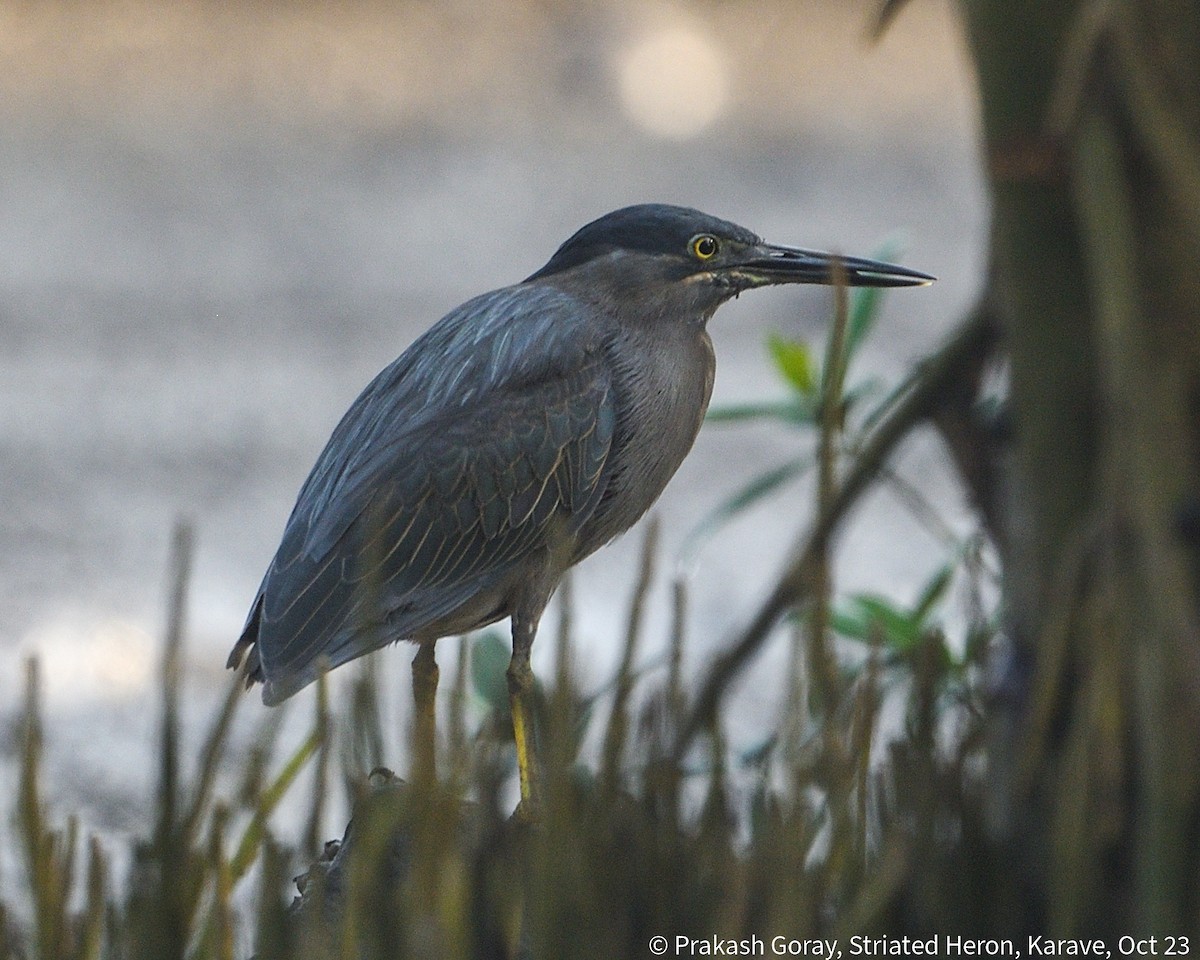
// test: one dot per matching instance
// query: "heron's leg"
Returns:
(424, 684)
(520, 692)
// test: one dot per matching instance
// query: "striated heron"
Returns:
(526, 429)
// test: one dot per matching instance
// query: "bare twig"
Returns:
(883, 18)
(614, 738)
(180, 572)
(918, 399)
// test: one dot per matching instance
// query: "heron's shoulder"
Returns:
(531, 309)
(506, 337)
(524, 345)
(518, 339)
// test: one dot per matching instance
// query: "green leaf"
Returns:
(789, 411)
(865, 301)
(794, 361)
(934, 590)
(489, 665)
(761, 486)
(864, 310)
(898, 629)
(850, 623)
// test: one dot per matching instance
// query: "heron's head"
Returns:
(679, 258)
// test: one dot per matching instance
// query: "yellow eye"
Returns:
(704, 247)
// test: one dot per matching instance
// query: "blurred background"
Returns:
(219, 221)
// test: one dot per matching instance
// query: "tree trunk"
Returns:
(1091, 113)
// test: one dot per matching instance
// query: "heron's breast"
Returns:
(663, 389)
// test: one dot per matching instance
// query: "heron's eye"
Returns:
(704, 247)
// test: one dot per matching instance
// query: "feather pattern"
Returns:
(438, 482)
(524, 430)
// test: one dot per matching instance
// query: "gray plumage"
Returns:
(523, 431)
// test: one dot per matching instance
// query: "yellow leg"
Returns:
(424, 684)
(520, 692)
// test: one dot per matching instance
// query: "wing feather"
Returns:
(434, 487)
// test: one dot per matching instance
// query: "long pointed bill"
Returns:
(768, 264)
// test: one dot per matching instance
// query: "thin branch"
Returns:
(922, 394)
(614, 739)
(883, 18)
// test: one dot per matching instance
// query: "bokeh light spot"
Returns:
(674, 82)
(113, 660)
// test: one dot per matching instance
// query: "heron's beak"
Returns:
(767, 263)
